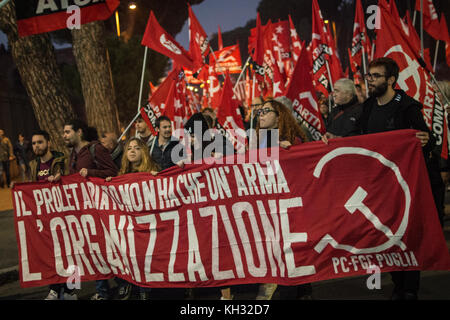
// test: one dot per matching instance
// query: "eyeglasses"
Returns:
(373, 76)
(266, 111)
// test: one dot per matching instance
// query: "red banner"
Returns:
(35, 17)
(315, 212)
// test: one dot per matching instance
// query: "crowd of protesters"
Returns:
(351, 112)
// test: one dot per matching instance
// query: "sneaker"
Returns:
(266, 291)
(52, 295)
(70, 296)
(97, 296)
(124, 292)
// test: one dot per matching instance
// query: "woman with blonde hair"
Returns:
(136, 158)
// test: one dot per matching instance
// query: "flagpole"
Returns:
(365, 70)
(142, 77)
(435, 55)
(421, 29)
(242, 72)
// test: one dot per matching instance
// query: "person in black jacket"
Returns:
(345, 114)
(389, 109)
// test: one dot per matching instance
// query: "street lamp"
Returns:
(132, 6)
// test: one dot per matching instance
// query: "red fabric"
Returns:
(303, 96)
(357, 202)
(319, 51)
(360, 40)
(198, 43)
(156, 38)
(219, 38)
(228, 59)
(58, 20)
(296, 46)
(176, 107)
(229, 117)
(430, 19)
(413, 78)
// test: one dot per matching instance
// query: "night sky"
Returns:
(228, 14)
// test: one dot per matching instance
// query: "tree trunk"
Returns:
(91, 55)
(35, 59)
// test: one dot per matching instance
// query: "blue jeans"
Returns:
(102, 288)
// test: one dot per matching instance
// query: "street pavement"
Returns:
(435, 285)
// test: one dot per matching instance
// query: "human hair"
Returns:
(347, 85)
(390, 67)
(445, 87)
(288, 127)
(208, 109)
(147, 163)
(88, 133)
(41, 133)
(161, 119)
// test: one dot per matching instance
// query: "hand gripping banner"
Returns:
(315, 212)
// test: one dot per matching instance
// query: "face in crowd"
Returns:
(109, 140)
(134, 153)
(268, 116)
(141, 126)
(378, 82)
(165, 129)
(340, 95)
(71, 137)
(40, 145)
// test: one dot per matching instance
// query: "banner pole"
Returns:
(435, 55)
(142, 77)
(242, 72)
(365, 71)
(421, 29)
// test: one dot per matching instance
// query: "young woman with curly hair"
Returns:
(275, 115)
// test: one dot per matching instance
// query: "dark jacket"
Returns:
(100, 164)
(163, 157)
(343, 118)
(58, 165)
(406, 115)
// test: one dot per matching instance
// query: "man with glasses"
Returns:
(392, 109)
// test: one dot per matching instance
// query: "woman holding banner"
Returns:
(277, 126)
(136, 158)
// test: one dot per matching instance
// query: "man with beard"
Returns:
(49, 166)
(161, 152)
(392, 109)
(89, 158)
(143, 131)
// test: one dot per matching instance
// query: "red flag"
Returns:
(156, 38)
(198, 41)
(430, 19)
(175, 105)
(296, 46)
(256, 48)
(413, 78)
(35, 17)
(335, 62)
(158, 99)
(360, 40)
(320, 50)
(229, 58)
(214, 89)
(219, 38)
(303, 95)
(229, 117)
(274, 78)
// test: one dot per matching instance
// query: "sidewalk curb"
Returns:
(9, 275)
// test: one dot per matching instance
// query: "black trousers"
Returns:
(5, 165)
(406, 281)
